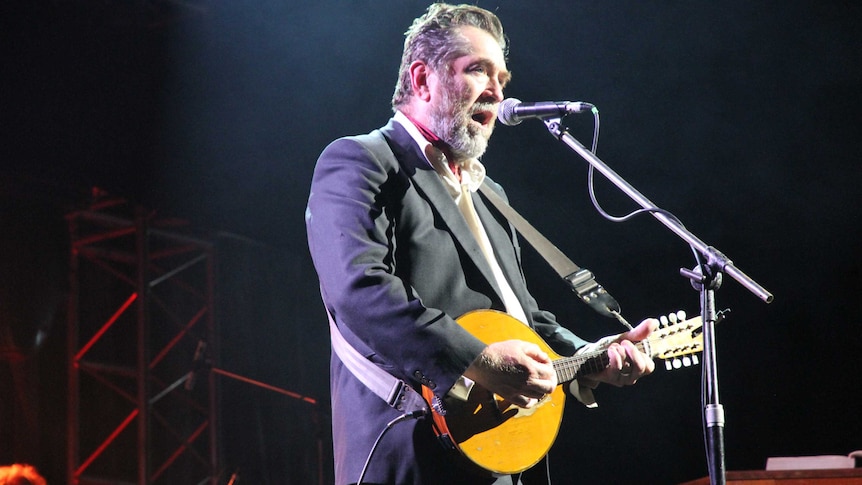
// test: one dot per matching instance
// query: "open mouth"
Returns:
(483, 117)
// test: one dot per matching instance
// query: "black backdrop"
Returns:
(739, 117)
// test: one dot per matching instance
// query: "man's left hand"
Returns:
(626, 364)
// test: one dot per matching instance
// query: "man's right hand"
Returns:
(517, 371)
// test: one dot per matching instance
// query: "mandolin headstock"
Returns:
(677, 340)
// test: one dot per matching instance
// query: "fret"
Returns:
(570, 368)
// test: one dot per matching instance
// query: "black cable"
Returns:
(404, 417)
(591, 186)
(605, 214)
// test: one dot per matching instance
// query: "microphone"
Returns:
(512, 111)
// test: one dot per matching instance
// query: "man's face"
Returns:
(464, 105)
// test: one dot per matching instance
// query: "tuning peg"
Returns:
(663, 321)
(694, 359)
(672, 318)
(668, 365)
(680, 315)
(677, 363)
(686, 361)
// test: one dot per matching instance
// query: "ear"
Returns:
(419, 73)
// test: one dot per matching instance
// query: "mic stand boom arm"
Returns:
(706, 280)
(714, 257)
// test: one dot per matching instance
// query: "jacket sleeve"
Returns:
(351, 223)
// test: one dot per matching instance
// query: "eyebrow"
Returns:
(504, 74)
(506, 77)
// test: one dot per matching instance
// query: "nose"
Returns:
(495, 89)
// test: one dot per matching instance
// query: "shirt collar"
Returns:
(472, 170)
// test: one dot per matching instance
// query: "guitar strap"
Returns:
(394, 391)
(582, 280)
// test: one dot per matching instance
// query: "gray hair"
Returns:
(434, 39)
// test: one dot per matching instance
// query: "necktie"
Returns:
(465, 204)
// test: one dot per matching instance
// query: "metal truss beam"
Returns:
(140, 311)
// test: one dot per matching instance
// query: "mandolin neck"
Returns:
(570, 368)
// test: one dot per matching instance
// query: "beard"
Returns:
(451, 120)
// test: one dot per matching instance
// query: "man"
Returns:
(403, 245)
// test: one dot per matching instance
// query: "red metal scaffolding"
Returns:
(141, 336)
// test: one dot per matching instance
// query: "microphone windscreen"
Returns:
(506, 112)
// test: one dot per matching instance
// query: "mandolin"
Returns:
(501, 438)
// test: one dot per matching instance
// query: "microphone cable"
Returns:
(591, 186)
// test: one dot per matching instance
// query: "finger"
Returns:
(628, 368)
(649, 368)
(650, 325)
(536, 353)
(522, 401)
(537, 387)
(640, 361)
(535, 393)
(634, 361)
(624, 378)
(616, 356)
(547, 374)
(642, 331)
(511, 397)
(643, 362)
(640, 364)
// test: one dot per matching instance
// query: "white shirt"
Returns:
(472, 176)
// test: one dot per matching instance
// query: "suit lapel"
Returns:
(431, 188)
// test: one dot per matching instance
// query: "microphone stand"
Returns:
(706, 278)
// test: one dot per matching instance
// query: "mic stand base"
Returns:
(715, 453)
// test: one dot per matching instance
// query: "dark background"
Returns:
(742, 118)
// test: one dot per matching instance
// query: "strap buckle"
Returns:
(584, 283)
(405, 399)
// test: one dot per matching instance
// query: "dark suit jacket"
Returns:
(397, 263)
